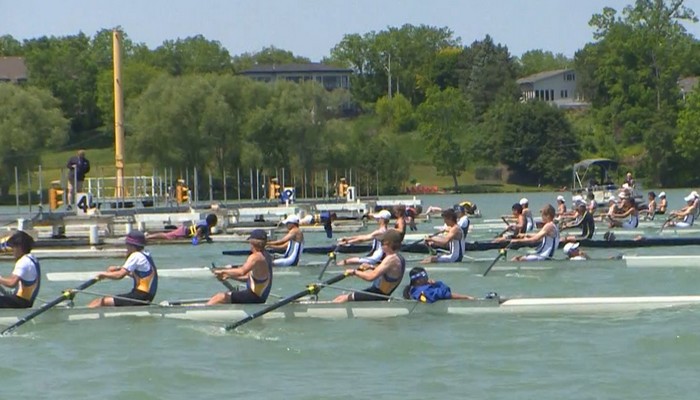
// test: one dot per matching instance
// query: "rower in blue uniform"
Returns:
(529, 220)
(426, 290)
(292, 243)
(385, 277)
(140, 267)
(453, 240)
(584, 220)
(548, 237)
(462, 219)
(256, 272)
(25, 277)
(628, 215)
(376, 253)
(687, 214)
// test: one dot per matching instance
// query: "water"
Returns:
(647, 355)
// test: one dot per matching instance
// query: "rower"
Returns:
(256, 272)
(628, 216)
(592, 204)
(584, 220)
(663, 204)
(292, 243)
(25, 277)
(629, 181)
(140, 267)
(516, 229)
(385, 277)
(462, 219)
(410, 217)
(574, 253)
(530, 221)
(688, 214)
(201, 230)
(612, 208)
(453, 240)
(548, 235)
(561, 206)
(651, 206)
(470, 208)
(376, 253)
(400, 224)
(426, 290)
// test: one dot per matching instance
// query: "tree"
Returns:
(444, 118)
(267, 56)
(192, 55)
(534, 61)
(534, 140)
(396, 113)
(30, 119)
(9, 46)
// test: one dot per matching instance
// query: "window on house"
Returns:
(546, 95)
(564, 94)
(569, 76)
(551, 94)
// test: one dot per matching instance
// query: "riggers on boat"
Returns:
(371, 309)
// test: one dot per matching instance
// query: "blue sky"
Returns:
(312, 27)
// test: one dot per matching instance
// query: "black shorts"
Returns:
(245, 296)
(366, 295)
(660, 212)
(122, 300)
(12, 301)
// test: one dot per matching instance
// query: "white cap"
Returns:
(561, 198)
(580, 203)
(291, 219)
(694, 194)
(689, 197)
(384, 214)
(577, 198)
(612, 198)
(523, 201)
(662, 194)
(570, 247)
(623, 195)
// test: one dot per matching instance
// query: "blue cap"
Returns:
(258, 234)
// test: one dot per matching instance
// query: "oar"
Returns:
(501, 253)
(66, 295)
(312, 289)
(663, 226)
(228, 284)
(331, 257)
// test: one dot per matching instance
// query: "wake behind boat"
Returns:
(388, 309)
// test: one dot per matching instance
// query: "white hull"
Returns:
(467, 266)
(326, 310)
(71, 253)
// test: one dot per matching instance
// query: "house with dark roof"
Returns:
(329, 76)
(13, 69)
(556, 87)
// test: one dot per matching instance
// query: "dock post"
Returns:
(94, 235)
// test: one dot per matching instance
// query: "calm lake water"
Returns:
(648, 355)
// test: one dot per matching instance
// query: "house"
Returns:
(557, 87)
(687, 85)
(13, 69)
(327, 75)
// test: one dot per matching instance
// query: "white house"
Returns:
(557, 87)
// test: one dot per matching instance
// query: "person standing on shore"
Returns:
(77, 166)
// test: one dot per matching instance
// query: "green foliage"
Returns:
(396, 113)
(534, 61)
(29, 120)
(9, 46)
(444, 118)
(535, 141)
(267, 56)
(192, 55)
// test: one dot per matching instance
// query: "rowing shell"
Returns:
(71, 253)
(473, 265)
(373, 309)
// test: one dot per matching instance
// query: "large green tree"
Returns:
(30, 119)
(534, 61)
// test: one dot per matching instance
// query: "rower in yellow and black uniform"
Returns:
(140, 267)
(25, 277)
(256, 272)
(385, 277)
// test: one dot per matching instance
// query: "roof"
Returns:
(602, 162)
(688, 84)
(542, 75)
(12, 68)
(290, 68)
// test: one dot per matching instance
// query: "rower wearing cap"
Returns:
(548, 237)
(574, 253)
(529, 220)
(688, 214)
(140, 267)
(627, 217)
(385, 277)
(26, 275)
(376, 253)
(696, 201)
(663, 204)
(584, 220)
(426, 290)
(462, 219)
(453, 240)
(561, 206)
(292, 243)
(256, 272)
